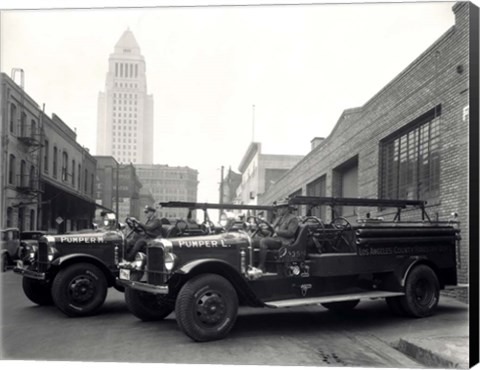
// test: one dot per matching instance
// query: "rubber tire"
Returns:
(60, 289)
(395, 306)
(141, 305)
(341, 307)
(410, 302)
(185, 307)
(39, 292)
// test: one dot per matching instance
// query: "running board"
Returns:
(331, 298)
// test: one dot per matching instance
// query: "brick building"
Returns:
(409, 141)
(48, 178)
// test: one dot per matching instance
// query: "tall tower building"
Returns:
(125, 110)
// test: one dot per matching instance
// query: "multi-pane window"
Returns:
(64, 166)
(46, 157)
(13, 116)
(411, 161)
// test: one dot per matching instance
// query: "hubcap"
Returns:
(423, 294)
(81, 289)
(211, 308)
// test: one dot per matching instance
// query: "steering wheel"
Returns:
(312, 233)
(263, 227)
(207, 226)
(343, 226)
(134, 225)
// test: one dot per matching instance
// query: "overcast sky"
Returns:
(301, 66)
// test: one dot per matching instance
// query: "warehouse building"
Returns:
(409, 141)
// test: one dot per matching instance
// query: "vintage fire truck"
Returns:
(205, 278)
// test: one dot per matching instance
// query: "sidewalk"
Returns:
(445, 344)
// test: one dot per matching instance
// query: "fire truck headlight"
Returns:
(140, 261)
(52, 253)
(170, 261)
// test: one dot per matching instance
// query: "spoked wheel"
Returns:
(79, 290)
(422, 292)
(206, 307)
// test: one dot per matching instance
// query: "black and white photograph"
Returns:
(221, 184)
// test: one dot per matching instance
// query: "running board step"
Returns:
(332, 298)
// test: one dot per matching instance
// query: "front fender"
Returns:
(63, 261)
(220, 267)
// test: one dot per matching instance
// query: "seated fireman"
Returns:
(284, 226)
(152, 227)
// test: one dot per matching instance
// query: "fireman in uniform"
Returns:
(284, 226)
(152, 228)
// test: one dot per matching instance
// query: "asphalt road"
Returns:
(310, 336)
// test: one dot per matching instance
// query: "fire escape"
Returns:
(31, 137)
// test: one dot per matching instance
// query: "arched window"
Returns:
(9, 217)
(33, 127)
(21, 218)
(23, 173)
(13, 117)
(12, 170)
(73, 172)
(32, 177)
(64, 166)
(23, 124)
(55, 155)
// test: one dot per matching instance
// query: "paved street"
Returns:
(301, 336)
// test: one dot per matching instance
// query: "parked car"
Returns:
(336, 264)
(29, 243)
(10, 247)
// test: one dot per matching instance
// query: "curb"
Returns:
(427, 357)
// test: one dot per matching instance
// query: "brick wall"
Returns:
(439, 76)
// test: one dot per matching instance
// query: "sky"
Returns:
(301, 66)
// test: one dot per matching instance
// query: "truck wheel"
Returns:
(422, 292)
(206, 307)
(5, 262)
(39, 292)
(395, 306)
(147, 306)
(79, 289)
(341, 307)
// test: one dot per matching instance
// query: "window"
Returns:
(33, 127)
(13, 116)
(64, 166)
(11, 170)
(73, 172)
(23, 124)
(9, 217)
(79, 177)
(23, 174)
(86, 181)
(55, 154)
(410, 167)
(21, 218)
(45, 156)
(92, 182)
(31, 179)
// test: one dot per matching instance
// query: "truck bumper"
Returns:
(21, 270)
(144, 287)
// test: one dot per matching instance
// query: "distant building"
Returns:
(125, 110)
(109, 174)
(169, 184)
(260, 171)
(229, 186)
(48, 179)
